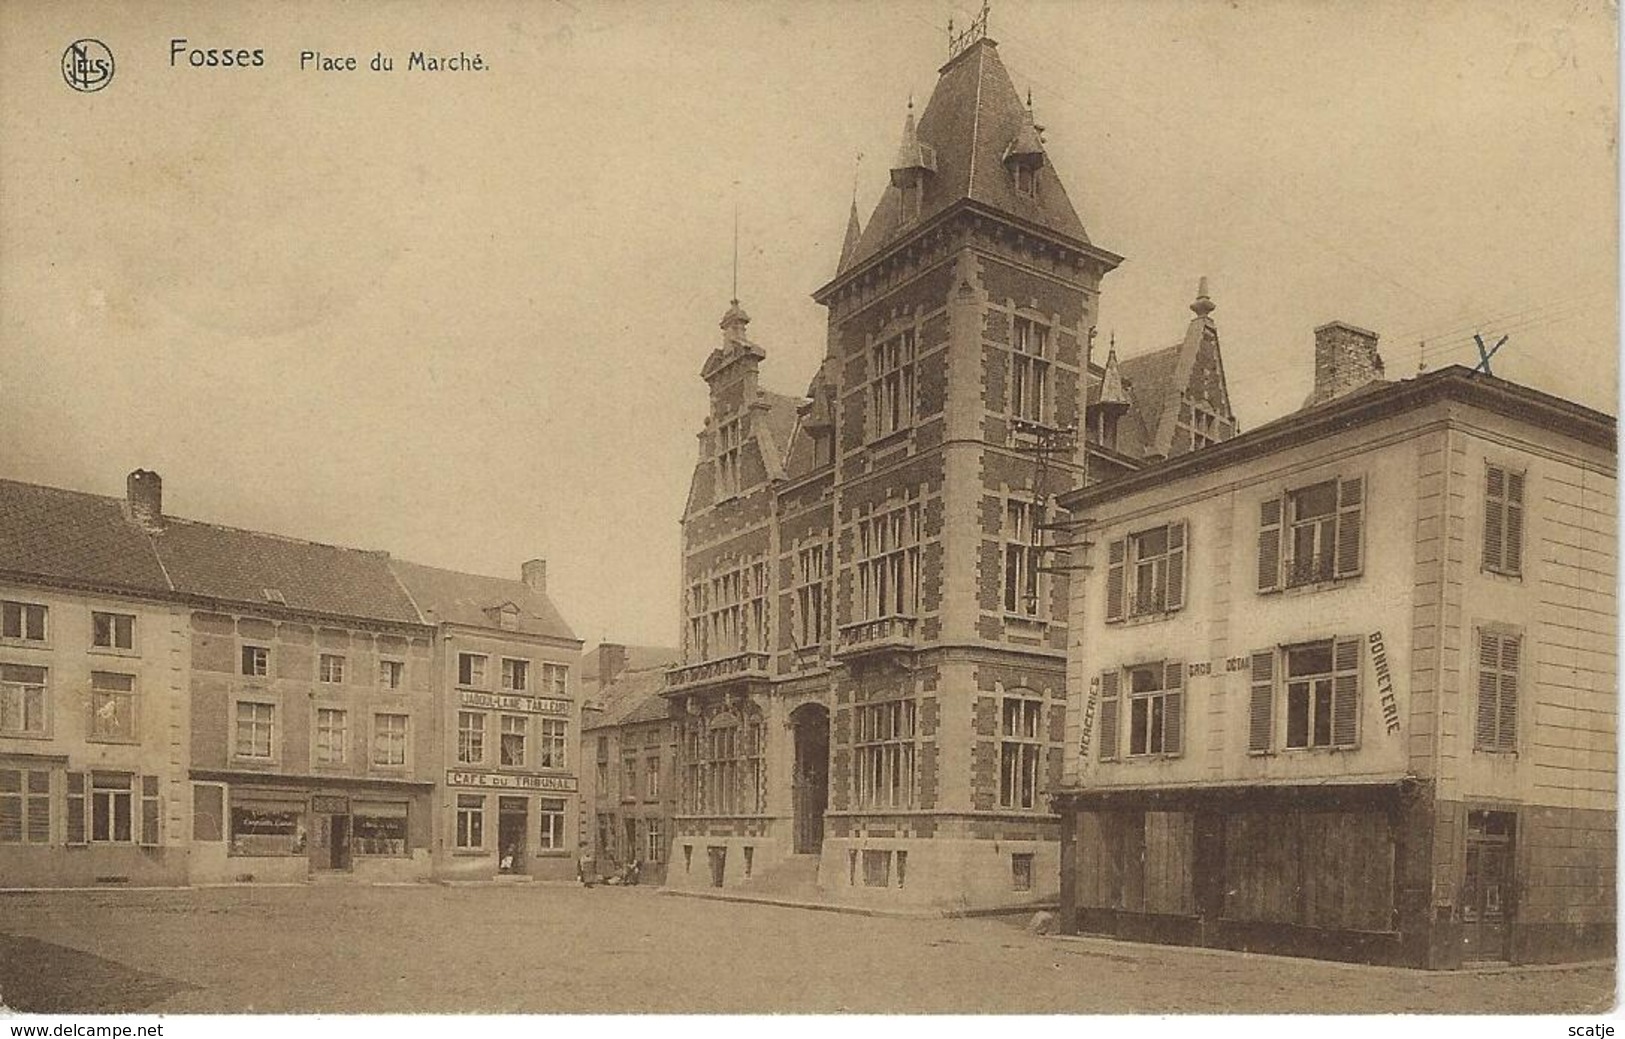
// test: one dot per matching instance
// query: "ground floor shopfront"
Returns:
(1381, 873)
(507, 824)
(285, 829)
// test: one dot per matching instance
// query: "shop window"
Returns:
(391, 674)
(552, 742)
(515, 675)
(379, 828)
(23, 621)
(470, 821)
(1021, 750)
(1021, 871)
(25, 806)
(255, 729)
(470, 738)
(389, 739)
(330, 668)
(256, 661)
(112, 707)
(551, 810)
(23, 701)
(112, 630)
(268, 828)
(514, 730)
(332, 736)
(471, 670)
(1503, 520)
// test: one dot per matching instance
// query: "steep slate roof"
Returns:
(1149, 379)
(773, 430)
(73, 536)
(973, 116)
(239, 565)
(633, 697)
(453, 597)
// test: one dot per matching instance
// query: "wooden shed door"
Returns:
(1486, 902)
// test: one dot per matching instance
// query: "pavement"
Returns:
(563, 949)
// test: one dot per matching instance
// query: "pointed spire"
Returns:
(1112, 391)
(914, 157)
(1203, 305)
(854, 233)
(1026, 148)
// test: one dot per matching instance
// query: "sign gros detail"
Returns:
(514, 702)
(1385, 683)
(505, 781)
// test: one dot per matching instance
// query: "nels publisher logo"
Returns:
(87, 65)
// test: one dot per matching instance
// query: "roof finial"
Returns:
(735, 297)
(1203, 305)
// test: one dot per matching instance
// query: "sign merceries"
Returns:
(508, 781)
(514, 702)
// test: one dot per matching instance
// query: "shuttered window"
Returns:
(25, 806)
(1503, 520)
(1116, 552)
(1145, 574)
(1109, 683)
(1496, 726)
(1269, 545)
(1312, 534)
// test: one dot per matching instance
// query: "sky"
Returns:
(460, 316)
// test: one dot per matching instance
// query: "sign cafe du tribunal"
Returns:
(504, 780)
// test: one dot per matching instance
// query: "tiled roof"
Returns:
(72, 536)
(450, 596)
(973, 116)
(773, 434)
(1149, 379)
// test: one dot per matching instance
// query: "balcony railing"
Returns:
(1148, 605)
(1310, 570)
(882, 633)
(714, 672)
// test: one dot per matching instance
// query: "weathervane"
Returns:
(958, 44)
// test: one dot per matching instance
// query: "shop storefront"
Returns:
(500, 823)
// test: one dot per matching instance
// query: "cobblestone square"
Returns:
(539, 949)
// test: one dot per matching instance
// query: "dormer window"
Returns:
(729, 437)
(1026, 181)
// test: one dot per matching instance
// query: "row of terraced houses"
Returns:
(182, 703)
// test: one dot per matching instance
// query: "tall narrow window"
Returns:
(471, 670)
(552, 739)
(515, 675)
(1323, 693)
(551, 810)
(391, 673)
(891, 386)
(1029, 370)
(885, 754)
(889, 563)
(1022, 559)
(1021, 750)
(1496, 727)
(112, 707)
(255, 722)
(470, 821)
(515, 728)
(25, 806)
(728, 446)
(470, 738)
(389, 739)
(332, 736)
(1156, 714)
(1503, 520)
(112, 808)
(812, 595)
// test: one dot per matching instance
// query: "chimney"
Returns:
(144, 498)
(534, 573)
(1346, 359)
(611, 662)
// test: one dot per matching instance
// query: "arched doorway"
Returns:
(810, 782)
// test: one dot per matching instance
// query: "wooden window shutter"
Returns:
(1489, 690)
(151, 810)
(1507, 723)
(1350, 527)
(1107, 747)
(1512, 561)
(78, 816)
(1346, 692)
(1176, 566)
(1269, 545)
(1261, 704)
(1494, 516)
(1173, 709)
(1116, 553)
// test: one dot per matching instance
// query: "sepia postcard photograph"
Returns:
(928, 507)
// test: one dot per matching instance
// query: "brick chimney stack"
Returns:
(144, 498)
(611, 662)
(534, 573)
(1346, 359)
